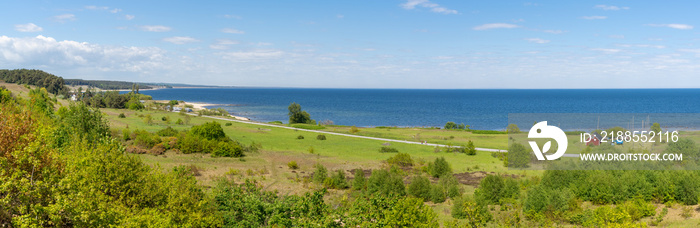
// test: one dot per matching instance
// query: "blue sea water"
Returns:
(479, 108)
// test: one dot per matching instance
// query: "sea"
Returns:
(484, 109)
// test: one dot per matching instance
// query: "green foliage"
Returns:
(167, 132)
(439, 167)
(337, 180)
(145, 139)
(354, 129)
(655, 127)
(5, 95)
(420, 188)
(547, 201)
(470, 149)
(121, 115)
(320, 174)
(227, 149)
(106, 85)
(385, 183)
(81, 121)
(148, 119)
(41, 101)
(476, 214)
(52, 83)
(437, 194)
(453, 125)
(321, 137)
(360, 182)
(292, 165)
(209, 130)
(296, 115)
(401, 160)
(300, 137)
(518, 156)
(496, 189)
(411, 212)
(308, 126)
(386, 149)
(213, 112)
(228, 124)
(512, 128)
(134, 104)
(179, 122)
(686, 147)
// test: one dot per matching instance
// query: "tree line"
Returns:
(53, 84)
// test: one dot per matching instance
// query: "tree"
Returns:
(420, 188)
(450, 125)
(439, 167)
(512, 128)
(470, 149)
(296, 115)
(209, 130)
(518, 156)
(359, 182)
(655, 127)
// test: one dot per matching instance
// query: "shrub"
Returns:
(401, 160)
(551, 202)
(126, 134)
(439, 167)
(320, 174)
(451, 186)
(420, 188)
(470, 149)
(227, 149)
(179, 122)
(386, 149)
(337, 180)
(300, 137)
(210, 130)
(512, 128)
(321, 137)
(494, 189)
(518, 156)
(477, 215)
(354, 130)
(121, 115)
(158, 149)
(228, 124)
(437, 194)
(385, 183)
(292, 165)
(148, 119)
(359, 182)
(144, 139)
(167, 132)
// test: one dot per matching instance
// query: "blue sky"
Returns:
(360, 44)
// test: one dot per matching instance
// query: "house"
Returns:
(176, 109)
(595, 140)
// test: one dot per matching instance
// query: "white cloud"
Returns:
(607, 50)
(340, 16)
(223, 44)
(46, 51)
(232, 31)
(537, 40)
(97, 7)
(29, 27)
(180, 39)
(554, 31)
(617, 36)
(642, 46)
(129, 17)
(64, 17)
(594, 17)
(115, 10)
(673, 26)
(244, 56)
(495, 26)
(607, 7)
(411, 4)
(155, 28)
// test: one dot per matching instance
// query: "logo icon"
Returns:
(543, 131)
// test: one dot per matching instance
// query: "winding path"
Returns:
(358, 136)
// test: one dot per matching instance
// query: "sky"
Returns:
(429, 44)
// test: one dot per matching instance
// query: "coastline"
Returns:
(196, 106)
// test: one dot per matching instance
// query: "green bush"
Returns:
(470, 149)
(320, 174)
(227, 149)
(386, 149)
(145, 139)
(401, 160)
(121, 115)
(167, 132)
(494, 189)
(385, 183)
(437, 194)
(477, 214)
(337, 180)
(209, 130)
(179, 122)
(420, 188)
(126, 134)
(308, 126)
(300, 137)
(439, 167)
(321, 137)
(228, 124)
(518, 156)
(292, 165)
(359, 183)
(550, 202)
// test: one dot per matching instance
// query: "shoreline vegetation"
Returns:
(110, 159)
